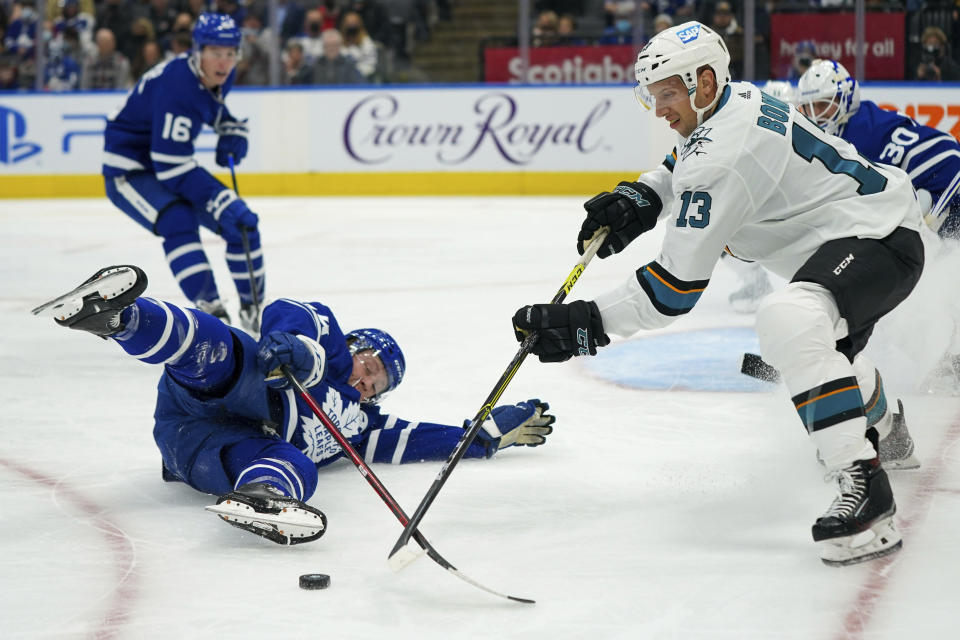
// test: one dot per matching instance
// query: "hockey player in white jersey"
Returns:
(751, 176)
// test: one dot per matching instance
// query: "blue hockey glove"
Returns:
(306, 358)
(629, 210)
(232, 141)
(563, 330)
(525, 424)
(234, 218)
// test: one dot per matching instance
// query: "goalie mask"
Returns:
(828, 95)
(382, 345)
(680, 51)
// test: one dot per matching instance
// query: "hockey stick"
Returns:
(938, 214)
(255, 325)
(381, 490)
(401, 555)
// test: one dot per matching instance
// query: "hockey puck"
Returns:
(314, 581)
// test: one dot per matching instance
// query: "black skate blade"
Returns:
(113, 280)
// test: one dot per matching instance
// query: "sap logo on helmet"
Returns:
(689, 34)
(13, 127)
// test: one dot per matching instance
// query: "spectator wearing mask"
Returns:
(936, 64)
(107, 68)
(334, 66)
(725, 24)
(254, 65)
(311, 41)
(358, 44)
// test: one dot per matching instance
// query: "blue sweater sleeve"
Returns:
(400, 441)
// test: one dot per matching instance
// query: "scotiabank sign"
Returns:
(833, 36)
(610, 64)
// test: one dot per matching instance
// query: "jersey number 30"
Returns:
(699, 215)
(176, 128)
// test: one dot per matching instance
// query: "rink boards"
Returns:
(397, 140)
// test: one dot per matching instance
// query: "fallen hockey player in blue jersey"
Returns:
(151, 174)
(228, 423)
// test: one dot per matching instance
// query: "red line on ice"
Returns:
(120, 546)
(861, 612)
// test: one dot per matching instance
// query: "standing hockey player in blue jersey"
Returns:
(753, 177)
(151, 173)
(830, 97)
(227, 422)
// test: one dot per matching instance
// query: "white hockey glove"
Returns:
(305, 357)
(525, 423)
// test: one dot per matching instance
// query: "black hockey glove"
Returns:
(563, 330)
(629, 210)
(525, 424)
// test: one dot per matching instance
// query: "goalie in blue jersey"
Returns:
(830, 97)
(227, 422)
(151, 174)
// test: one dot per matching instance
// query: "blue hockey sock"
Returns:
(240, 272)
(196, 347)
(277, 463)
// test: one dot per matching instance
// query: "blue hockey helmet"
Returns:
(385, 348)
(216, 29)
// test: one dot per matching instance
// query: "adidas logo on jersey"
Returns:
(843, 265)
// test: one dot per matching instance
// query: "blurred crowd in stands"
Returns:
(110, 44)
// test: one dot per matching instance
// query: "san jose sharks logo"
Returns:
(696, 142)
(349, 420)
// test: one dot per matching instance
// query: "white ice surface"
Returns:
(664, 515)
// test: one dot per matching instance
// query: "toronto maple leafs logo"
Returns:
(349, 420)
(696, 142)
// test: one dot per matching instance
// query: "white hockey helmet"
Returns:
(828, 95)
(781, 90)
(680, 51)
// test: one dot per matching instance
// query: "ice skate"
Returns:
(96, 304)
(262, 509)
(249, 319)
(214, 308)
(945, 378)
(897, 449)
(858, 526)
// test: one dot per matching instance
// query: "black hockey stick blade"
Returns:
(754, 366)
(382, 491)
(400, 555)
